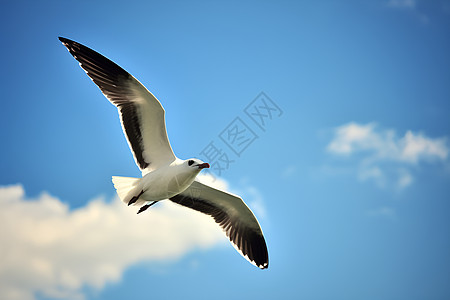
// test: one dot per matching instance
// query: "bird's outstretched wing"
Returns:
(233, 215)
(141, 114)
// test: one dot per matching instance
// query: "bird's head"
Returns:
(195, 164)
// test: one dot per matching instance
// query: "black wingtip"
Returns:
(64, 40)
(69, 43)
(133, 200)
(143, 208)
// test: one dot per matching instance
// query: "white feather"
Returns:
(125, 187)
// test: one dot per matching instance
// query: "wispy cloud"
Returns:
(256, 202)
(289, 171)
(408, 4)
(411, 6)
(384, 211)
(51, 250)
(252, 196)
(382, 154)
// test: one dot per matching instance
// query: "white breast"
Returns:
(166, 182)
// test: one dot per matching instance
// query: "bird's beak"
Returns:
(202, 166)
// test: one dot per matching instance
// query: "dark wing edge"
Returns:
(114, 82)
(247, 239)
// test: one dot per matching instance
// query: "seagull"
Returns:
(164, 176)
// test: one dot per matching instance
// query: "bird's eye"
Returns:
(190, 162)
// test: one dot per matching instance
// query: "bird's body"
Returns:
(163, 183)
(164, 176)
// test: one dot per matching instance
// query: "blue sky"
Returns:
(350, 183)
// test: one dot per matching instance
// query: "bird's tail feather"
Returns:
(125, 187)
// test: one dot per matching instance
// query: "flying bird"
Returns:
(164, 176)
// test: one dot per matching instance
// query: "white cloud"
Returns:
(352, 137)
(382, 154)
(414, 147)
(51, 250)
